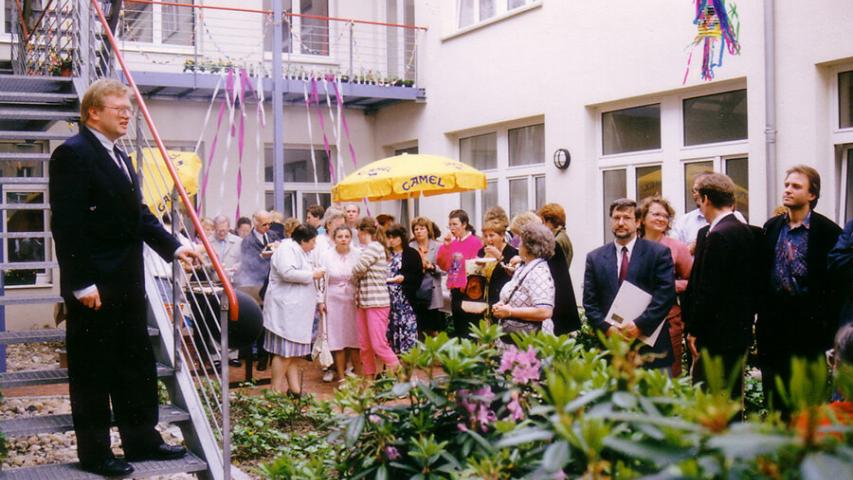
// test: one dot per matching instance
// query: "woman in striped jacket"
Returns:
(373, 299)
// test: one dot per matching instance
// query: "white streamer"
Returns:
(207, 115)
(310, 135)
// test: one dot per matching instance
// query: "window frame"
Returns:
(156, 44)
(45, 234)
(296, 55)
(501, 13)
(503, 173)
(835, 110)
(717, 90)
(600, 128)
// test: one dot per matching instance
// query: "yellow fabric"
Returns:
(157, 184)
(407, 176)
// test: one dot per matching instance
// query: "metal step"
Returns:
(23, 180)
(52, 376)
(33, 83)
(24, 135)
(71, 471)
(30, 299)
(24, 156)
(37, 97)
(45, 335)
(63, 423)
(27, 265)
(37, 114)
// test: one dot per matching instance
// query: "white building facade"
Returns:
(508, 83)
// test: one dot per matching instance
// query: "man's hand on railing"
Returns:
(188, 255)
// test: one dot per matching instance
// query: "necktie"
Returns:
(120, 162)
(266, 240)
(623, 269)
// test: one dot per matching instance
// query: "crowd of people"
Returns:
(375, 287)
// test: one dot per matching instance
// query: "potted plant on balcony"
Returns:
(60, 65)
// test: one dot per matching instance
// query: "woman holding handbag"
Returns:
(406, 273)
(527, 299)
(289, 306)
(429, 297)
(340, 300)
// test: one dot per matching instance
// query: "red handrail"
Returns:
(217, 266)
(22, 20)
(269, 12)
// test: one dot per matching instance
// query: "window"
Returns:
(470, 12)
(298, 166)
(527, 145)
(631, 129)
(303, 32)
(480, 151)
(648, 182)
(738, 170)
(25, 222)
(7, 16)
(158, 24)
(401, 12)
(691, 171)
(845, 99)
(615, 182)
(721, 117)
(518, 189)
(736, 167)
(302, 190)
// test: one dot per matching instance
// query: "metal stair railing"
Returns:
(48, 46)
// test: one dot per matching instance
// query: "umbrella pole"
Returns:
(410, 206)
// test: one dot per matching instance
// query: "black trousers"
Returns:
(111, 360)
(462, 320)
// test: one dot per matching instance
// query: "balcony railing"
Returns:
(171, 37)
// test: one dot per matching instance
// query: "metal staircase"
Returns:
(32, 109)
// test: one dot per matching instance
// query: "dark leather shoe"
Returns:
(161, 452)
(113, 467)
(235, 362)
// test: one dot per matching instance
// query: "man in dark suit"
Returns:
(799, 308)
(647, 265)
(719, 303)
(840, 265)
(99, 225)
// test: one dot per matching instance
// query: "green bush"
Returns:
(553, 408)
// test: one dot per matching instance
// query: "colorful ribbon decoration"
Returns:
(310, 133)
(714, 24)
(220, 116)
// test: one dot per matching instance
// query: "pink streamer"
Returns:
(241, 141)
(349, 138)
(315, 98)
(228, 83)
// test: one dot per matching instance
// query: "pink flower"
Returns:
(478, 406)
(524, 366)
(391, 453)
(374, 418)
(461, 427)
(514, 407)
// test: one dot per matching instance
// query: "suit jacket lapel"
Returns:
(610, 268)
(105, 162)
(637, 254)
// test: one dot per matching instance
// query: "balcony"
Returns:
(180, 50)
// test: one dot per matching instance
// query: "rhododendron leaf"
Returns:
(584, 399)
(556, 456)
(824, 466)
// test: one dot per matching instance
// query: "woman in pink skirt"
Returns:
(340, 300)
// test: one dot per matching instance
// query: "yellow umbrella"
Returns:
(157, 184)
(408, 176)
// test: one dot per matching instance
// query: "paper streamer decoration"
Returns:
(718, 30)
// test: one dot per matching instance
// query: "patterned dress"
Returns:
(402, 325)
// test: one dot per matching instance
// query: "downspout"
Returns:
(770, 103)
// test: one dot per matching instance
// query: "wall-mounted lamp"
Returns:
(562, 158)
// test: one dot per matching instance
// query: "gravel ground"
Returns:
(46, 448)
(33, 356)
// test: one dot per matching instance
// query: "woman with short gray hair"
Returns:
(527, 300)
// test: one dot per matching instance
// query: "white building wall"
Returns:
(569, 61)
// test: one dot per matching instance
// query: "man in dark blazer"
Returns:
(99, 224)
(840, 266)
(647, 265)
(719, 305)
(799, 309)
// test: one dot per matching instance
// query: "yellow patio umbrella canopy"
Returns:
(408, 176)
(157, 185)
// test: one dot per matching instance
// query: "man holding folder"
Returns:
(643, 270)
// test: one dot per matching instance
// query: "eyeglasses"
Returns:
(121, 110)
